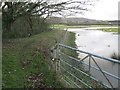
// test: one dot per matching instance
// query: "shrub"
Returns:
(22, 28)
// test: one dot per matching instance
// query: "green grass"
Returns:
(62, 26)
(102, 25)
(58, 26)
(78, 26)
(29, 57)
(71, 42)
(111, 30)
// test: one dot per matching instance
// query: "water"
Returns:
(100, 43)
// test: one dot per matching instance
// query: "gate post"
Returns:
(57, 58)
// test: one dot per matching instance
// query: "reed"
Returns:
(115, 56)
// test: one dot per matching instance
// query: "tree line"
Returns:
(34, 14)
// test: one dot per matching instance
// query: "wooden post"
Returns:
(57, 59)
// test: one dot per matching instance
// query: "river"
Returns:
(101, 43)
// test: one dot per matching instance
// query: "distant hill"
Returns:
(77, 21)
(114, 22)
(56, 20)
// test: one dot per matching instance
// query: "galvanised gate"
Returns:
(71, 70)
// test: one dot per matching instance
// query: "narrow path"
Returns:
(64, 38)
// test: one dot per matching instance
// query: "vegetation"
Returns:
(26, 61)
(13, 11)
(26, 58)
(21, 28)
(111, 30)
(115, 56)
(74, 21)
(71, 42)
(79, 26)
(58, 26)
(106, 25)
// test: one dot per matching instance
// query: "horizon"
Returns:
(85, 18)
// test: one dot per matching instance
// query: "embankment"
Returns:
(26, 61)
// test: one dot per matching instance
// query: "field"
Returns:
(111, 30)
(26, 61)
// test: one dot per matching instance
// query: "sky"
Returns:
(103, 10)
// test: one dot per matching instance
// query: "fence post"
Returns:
(89, 68)
(89, 62)
(57, 60)
(54, 57)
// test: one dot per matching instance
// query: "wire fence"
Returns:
(73, 71)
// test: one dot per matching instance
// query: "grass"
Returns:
(58, 26)
(115, 56)
(115, 30)
(26, 61)
(78, 26)
(71, 42)
(102, 25)
(111, 30)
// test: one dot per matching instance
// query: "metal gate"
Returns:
(72, 70)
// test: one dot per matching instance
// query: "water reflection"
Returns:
(101, 43)
(96, 41)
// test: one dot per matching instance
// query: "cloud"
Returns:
(104, 10)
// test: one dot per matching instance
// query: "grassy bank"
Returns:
(70, 41)
(111, 30)
(57, 26)
(26, 61)
(115, 30)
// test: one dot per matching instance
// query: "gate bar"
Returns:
(104, 58)
(92, 66)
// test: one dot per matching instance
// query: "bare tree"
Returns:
(43, 8)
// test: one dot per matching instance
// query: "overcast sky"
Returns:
(103, 10)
